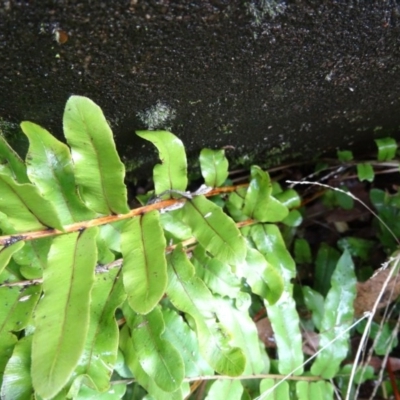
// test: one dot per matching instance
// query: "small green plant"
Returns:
(100, 301)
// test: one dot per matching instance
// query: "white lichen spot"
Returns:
(328, 77)
(158, 116)
(259, 9)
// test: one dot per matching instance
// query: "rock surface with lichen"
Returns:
(271, 78)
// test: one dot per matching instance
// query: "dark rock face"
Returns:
(297, 76)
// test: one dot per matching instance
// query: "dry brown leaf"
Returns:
(369, 291)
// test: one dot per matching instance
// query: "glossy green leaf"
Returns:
(362, 373)
(344, 155)
(387, 148)
(293, 219)
(32, 258)
(214, 167)
(104, 254)
(99, 172)
(25, 208)
(275, 211)
(258, 194)
(50, 168)
(7, 344)
(234, 205)
(302, 390)
(171, 174)
(342, 199)
(283, 315)
(286, 326)
(214, 230)
(385, 341)
(145, 268)
(325, 264)
(320, 390)
(302, 251)
(357, 247)
(111, 234)
(338, 316)
(178, 333)
(120, 366)
(158, 357)
(16, 309)
(59, 339)
(281, 392)
(7, 252)
(243, 332)
(259, 204)
(289, 198)
(315, 303)
(11, 273)
(269, 242)
(17, 382)
(216, 275)
(100, 352)
(189, 294)
(225, 389)
(132, 360)
(11, 163)
(116, 392)
(365, 172)
(389, 213)
(174, 227)
(262, 277)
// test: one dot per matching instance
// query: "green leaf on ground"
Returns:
(315, 303)
(365, 172)
(387, 148)
(325, 264)
(302, 251)
(344, 155)
(338, 317)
